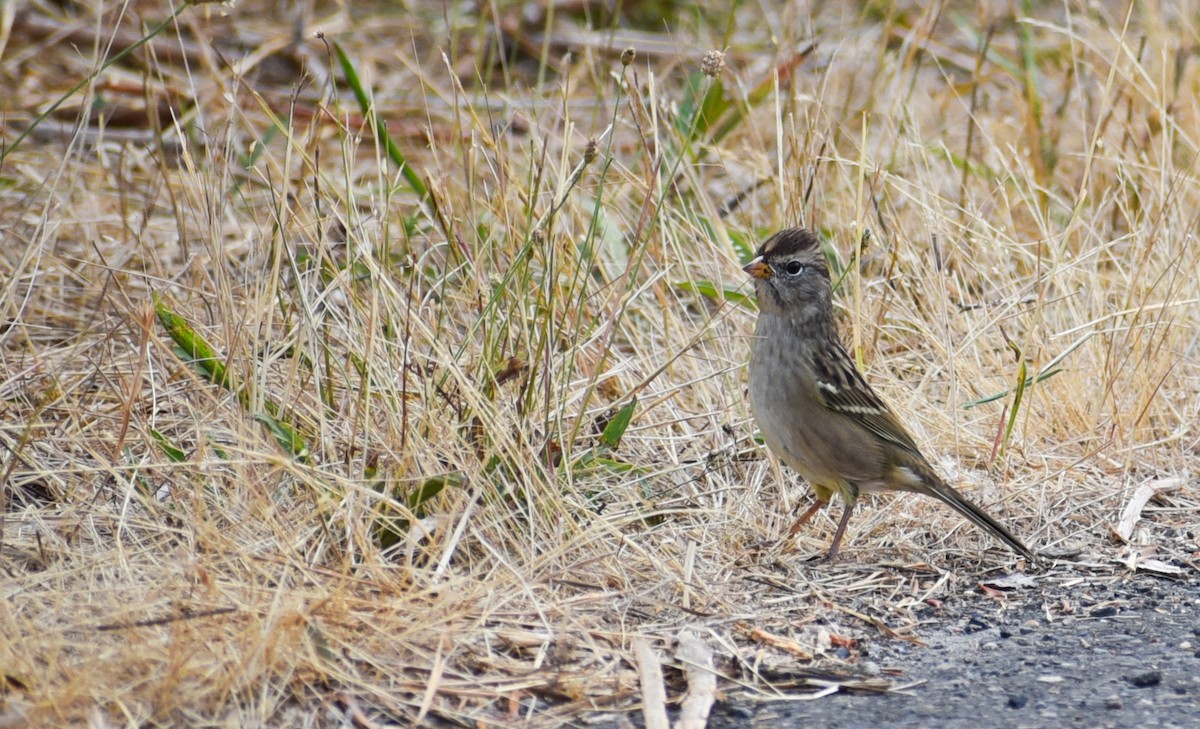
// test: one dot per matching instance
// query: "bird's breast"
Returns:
(824, 446)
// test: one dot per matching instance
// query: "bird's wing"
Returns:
(842, 389)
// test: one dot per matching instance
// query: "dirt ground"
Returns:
(1077, 647)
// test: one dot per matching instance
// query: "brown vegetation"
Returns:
(301, 418)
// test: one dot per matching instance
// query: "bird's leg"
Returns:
(817, 505)
(837, 536)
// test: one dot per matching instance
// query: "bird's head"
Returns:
(790, 274)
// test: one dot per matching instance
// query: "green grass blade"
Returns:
(1029, 381)
(1018, 395)
(415, 183)
(1049, 370)
(196, 350)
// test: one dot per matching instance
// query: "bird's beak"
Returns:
(759, 269)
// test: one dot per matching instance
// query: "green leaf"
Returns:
(193, 348)
(389, 528)
(173, 452)
(418, 497)
(321, 645)
(285, 435)
(743, 248)
(704, 104)
(196, 349)
(615, 430)
(766, 90)
(590, 462)
(712, 291)
(612, 464)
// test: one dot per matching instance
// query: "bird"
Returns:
(813, 407)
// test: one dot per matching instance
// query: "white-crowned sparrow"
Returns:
(815, 410)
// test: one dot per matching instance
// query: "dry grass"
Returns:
(403, 502)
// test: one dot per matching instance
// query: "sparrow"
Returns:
(813, 407)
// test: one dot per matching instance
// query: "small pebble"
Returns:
(1112, 703)
(1186, 645)
(975, 624)
(989, 646)
(1146, 680)
(1017, 701)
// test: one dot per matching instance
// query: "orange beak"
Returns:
(759, 269)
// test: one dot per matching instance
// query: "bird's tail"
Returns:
(978, 517)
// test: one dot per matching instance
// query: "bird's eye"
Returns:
(793, 268)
